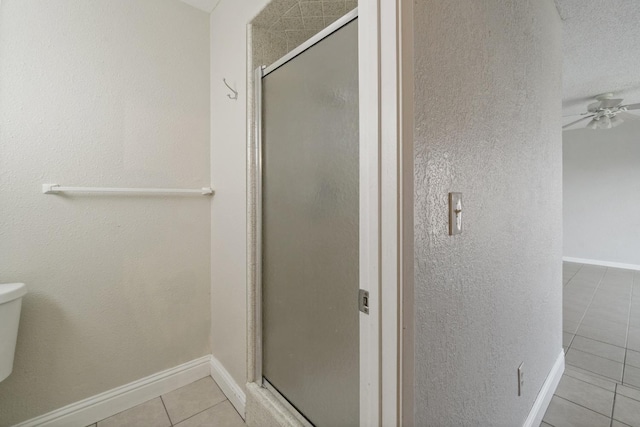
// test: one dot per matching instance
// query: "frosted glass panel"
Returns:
(310, 230)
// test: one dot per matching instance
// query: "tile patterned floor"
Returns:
(198, 404)
(600, 386)
(601, 338)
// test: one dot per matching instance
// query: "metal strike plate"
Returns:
(363, 301)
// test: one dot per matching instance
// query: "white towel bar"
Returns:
(57, 188)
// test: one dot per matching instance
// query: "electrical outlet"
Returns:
(520, 379)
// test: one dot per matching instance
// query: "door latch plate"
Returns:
(363, 301)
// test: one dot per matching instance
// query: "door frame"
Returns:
(385, 40)
(259, 73)
(386, 126)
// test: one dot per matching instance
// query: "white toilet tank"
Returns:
(10, 303)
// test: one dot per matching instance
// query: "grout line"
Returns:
(633, 388)
(592, 374)
(590, 301)
(198, 413)
(574, 275)
(166, 411)
(573, 337)
(586, 382)
(577, 404)
(613, 408)
(626, 338)
(593, 354)
(616, 383)
(588, 370)
(602, 342)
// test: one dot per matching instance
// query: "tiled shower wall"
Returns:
(285, 24)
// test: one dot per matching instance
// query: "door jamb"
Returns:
(386, 123)
(385, 38)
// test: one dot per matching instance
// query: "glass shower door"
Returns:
(310, 226)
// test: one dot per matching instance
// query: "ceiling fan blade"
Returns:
(628, 116)
(632, 107)
(610, 103)
(594, 106)
(577, 121)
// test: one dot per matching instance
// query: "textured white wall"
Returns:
(229, 174)
(602, 194)
(488, 89)
(102, 93)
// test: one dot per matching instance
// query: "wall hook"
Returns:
(235, 92)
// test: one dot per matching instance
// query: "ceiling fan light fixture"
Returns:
(601, 123)
(593, 124)
(606, 113)
(604, 123)
(616, 121)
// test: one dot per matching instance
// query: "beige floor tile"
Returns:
(631, 392)
(595, 313)
(634, 318)
(562, 413)
(577, 284)
(148, 414)
(598, 348)
(634, 338)
(583, 278)
(574, 313)
(590, 377)
(631, 376)
(221, 415)
(192, 399)
(566, 339)
(616, 423)
(610, 333)
(627, 411)
(569, 326)
(599, 365)
(633, 358)
(584, 394)
(576, 300)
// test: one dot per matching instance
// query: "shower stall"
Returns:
(308, 214)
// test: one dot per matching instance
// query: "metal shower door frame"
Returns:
(259, 73)
(385, 61)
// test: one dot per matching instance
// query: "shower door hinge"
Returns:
(363, 301)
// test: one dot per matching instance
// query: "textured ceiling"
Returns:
(601, 43)
(302, 15)
(285, 24)
(204, 5)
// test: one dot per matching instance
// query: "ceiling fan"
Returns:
(606, 113)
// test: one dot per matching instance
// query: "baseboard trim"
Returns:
(229, 387)
(546, 393)
(602, 263)
(119, 399)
